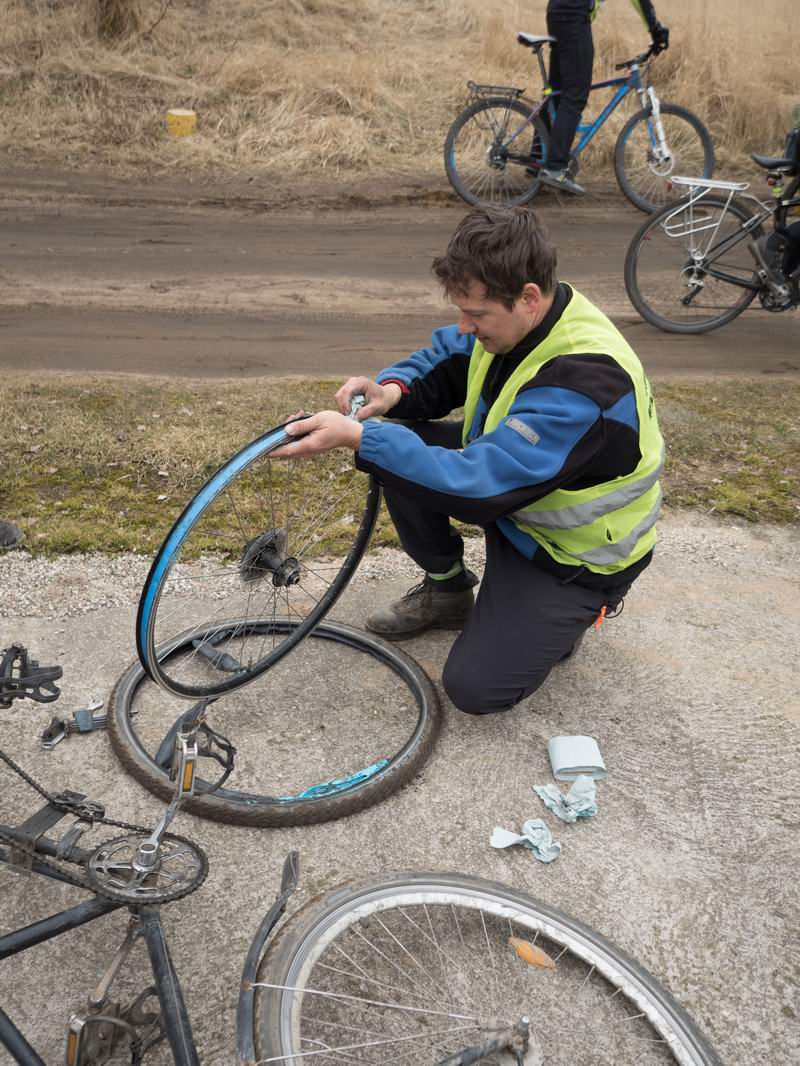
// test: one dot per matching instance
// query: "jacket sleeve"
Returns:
(434, 379)
(647, 12)
(549, 435)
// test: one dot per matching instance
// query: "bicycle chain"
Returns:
(74, 879)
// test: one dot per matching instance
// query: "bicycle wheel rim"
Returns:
(291, 959)
(317, 802)
(487, 126)
(645, 182)
(661, 270)
(151, 636)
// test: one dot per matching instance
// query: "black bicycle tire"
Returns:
(632, 286)
(148, 652)
(641, 116)
(462, 119)
(254, 810)
(295, 933)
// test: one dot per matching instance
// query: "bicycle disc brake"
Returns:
(177, 868)
(266, 554)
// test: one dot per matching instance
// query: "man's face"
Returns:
(497, 328)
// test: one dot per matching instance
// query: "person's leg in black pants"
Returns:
(427, 536)
(571, 60)
(524, 622)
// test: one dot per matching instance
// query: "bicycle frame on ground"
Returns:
(145, 923)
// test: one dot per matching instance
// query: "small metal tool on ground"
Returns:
(83, 721)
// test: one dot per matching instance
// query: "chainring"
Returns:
(180, 868)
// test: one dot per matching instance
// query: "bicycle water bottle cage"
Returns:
(266, 554)
(22, 678)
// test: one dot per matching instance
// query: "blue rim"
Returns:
(182, 527)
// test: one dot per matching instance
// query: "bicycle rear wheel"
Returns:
(414, 967)
(678, 260)
(304, 755)
(644, 179)
(262, 538)
(489, 150)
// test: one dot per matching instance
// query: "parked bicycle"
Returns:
(697, 264)
(498, 144)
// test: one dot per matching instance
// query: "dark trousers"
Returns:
(571, 59)
(525, 619)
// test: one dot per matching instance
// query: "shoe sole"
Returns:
(409, 634)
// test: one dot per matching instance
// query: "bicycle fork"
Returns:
(658, 139)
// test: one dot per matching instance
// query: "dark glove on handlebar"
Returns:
(660, 37)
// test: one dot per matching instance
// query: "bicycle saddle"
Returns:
(530, 40)
(774, 162)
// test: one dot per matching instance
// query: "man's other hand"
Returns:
(319, 433)
(660, 38)
(380, 398)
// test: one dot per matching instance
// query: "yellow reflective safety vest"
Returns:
(608, 526)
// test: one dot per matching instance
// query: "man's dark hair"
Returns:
(503, 248)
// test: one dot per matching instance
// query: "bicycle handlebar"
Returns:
(637, 60)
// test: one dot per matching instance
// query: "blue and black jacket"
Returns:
(574, 424)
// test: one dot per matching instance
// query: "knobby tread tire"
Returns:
(260, 810)
(641, 116)
(461, 120)
(294, 934)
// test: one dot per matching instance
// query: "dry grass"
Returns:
(294, 87)
(107, 464)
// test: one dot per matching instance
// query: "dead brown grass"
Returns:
(296, 87)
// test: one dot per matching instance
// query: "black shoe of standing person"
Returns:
(10, 536)
(430, 605)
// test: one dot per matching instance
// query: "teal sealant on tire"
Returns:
(327, 788)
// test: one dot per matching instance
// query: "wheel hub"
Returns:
(266, 554)
(495, 157)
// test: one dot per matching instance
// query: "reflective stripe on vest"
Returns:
(616, 553)
(581, 514)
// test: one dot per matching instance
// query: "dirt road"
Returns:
(199, 282)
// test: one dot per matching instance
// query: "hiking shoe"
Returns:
(559, 179)
(424, 607)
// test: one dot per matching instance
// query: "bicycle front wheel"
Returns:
(643, 176)
(684, 261)
(262, 538)
(490, 149)
(417, 967)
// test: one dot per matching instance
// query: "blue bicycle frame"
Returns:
(586, 131)
(629, 83)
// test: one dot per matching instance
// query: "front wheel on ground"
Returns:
(643, 176)
(490, 149)
(419, 967)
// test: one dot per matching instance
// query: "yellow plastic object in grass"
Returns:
(180, 122)
(531, 954)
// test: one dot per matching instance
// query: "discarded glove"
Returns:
(535, 836)
(579, 802)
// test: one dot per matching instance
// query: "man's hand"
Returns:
(380, 398)
(320, 433)
(660, 37)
